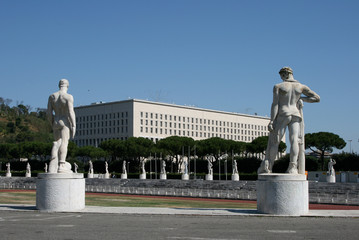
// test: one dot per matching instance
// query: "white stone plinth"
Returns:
(124, 176)
(330, 179)
(8, 174)
(143, 176)
(282, 194)
(57, 192)
(185, 177)
(235, 177)
(209, 177)
(90, 175)
(27, 174)
(163, 176)
(107, 175)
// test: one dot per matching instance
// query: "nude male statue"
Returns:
(331, 170)
(124, 171)
(286, 111)
(61, 114)
(209, 166)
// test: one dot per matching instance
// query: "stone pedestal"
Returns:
(90, 175)
(282, 194)
(235, 177)
(143, 176)
(8, 174)
(124, 176)
(185, 177)
(27, 174)
(330, 179)
(209, 177)
(107, 175)
(57, 192)
(163, 176)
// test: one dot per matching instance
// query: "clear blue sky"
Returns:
(222, 54)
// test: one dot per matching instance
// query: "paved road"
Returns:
(103, 226)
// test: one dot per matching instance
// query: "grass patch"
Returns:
(118, 200)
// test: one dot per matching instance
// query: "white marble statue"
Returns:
(331, 171)
(106, 167)
(46, 168)
(185, 170)
(75, 167)
(234, 167)
(28, 170)
(90, 167)
(163, 167)
(61, 115)
(8, 168)
(143, 167)
(124, 171)
(8, 171)
(286, 111)
(210, 167)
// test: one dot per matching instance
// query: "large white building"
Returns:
(153, 120)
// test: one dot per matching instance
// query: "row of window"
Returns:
(114, 130)
(196, 127)
(102, 124)
(101, 117)
(146, 119)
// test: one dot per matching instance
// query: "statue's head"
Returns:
(286, 70)
(286, 74)
(64, 83)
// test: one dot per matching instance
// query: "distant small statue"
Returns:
(331, 171)
(163, 174)
(143, 167)
(8, 167)
(61, 115)
(210, 167)
(235, 175)
(106, 167)
(185, 170)
(287, 112)
(8, 172)
(28, 170)
(124, 171)
(107, 174)
(75, 167)
(143, 170)
(90, 167)
(90, 173)
(234, 167)
(45, 168)
(163, 167)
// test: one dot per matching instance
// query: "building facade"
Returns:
(153, 120)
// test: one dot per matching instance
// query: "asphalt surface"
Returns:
(23, 222)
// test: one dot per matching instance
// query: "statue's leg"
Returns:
(54, 162)
(294, 128)
(64, 167)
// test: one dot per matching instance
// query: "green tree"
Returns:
(174, 146)
(138, 148)
(322, 142)
(114, 147)
(259, 145)
(91, 152)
